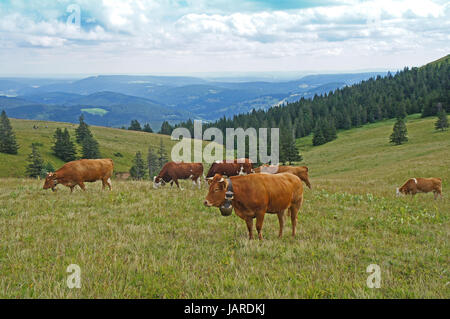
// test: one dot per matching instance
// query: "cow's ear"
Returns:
(222, 183)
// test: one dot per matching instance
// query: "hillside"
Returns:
(155, 99)
(365, 157)
(409, 91)
(111, 141)
(138, 242)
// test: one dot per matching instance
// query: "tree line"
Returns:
(415, 90)
(142, 169)
(166, 128)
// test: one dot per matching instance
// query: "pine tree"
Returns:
(35, 167)
(162, 155)
(48, 168)
(147, 128)
(135, 126)
(90, 148)
(138, 171)
(288, 149)
(329, 130)
(152, 163)
(82, 131)
(63, 148)
(167, 129)
(399, 134)
(8, 143)
(58, 147)
(442, 121)
(318, 138)
(69, 147)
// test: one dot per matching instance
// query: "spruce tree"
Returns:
(48, 168)
(329, 130)
(135, 126)
(318, 137)
(167, 129)
(162, 155)
(58, 147)
(288, 150)
(8, 143)
(442, 121)
(63, 148)
(400, 133)
(35, 166)
(147, 128)
(69, 147)
(152, 163)
(90, 149)
(82, 131)
(138, 171)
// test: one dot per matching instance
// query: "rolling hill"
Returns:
(155, 99)
(138, 242)
(111, 141)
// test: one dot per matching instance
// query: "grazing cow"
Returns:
(299, 171)
(173, 171)
(78, 172)
(235, 167)
(254, 195)
(421, 185)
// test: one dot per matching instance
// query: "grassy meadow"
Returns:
(138, 242)
(111, 140)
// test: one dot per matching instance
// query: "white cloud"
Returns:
(197, 36)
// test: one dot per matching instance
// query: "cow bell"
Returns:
(226, 209)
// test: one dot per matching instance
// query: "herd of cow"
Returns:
(251, 192)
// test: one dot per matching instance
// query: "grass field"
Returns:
(111, 141)
(137, 242)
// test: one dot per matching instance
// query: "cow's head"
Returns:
(51, 181)
(304, 176)
(400, 191)
(158, 181)
(217, 190)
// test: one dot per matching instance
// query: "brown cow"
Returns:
(421, 185)
(78, 172)
(254, 195)
(229, 168)
(299, 171)
(173, 171)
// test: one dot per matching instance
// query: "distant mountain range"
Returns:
(117, 99)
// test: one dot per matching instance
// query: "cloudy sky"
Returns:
(190, 36)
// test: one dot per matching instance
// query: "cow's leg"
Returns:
(106, 182)
(249, 221)
(259, 224)
(175, 180)
(81, 184)
(294, 209)
(281, 222)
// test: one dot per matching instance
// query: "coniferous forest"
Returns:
(416, 90)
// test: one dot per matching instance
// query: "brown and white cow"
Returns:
(173, 171)
(254, 195)
(299, 171)
(78, 172)
(229, 168)
(421, 185)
